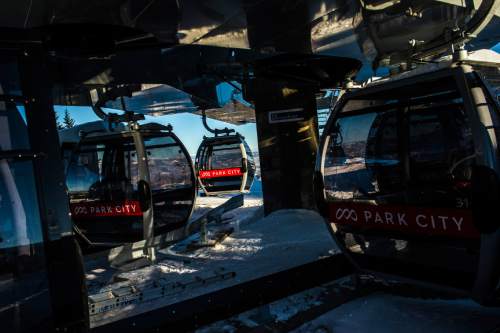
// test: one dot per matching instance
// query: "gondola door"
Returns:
(172, 180)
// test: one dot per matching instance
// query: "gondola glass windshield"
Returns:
(397, 178)
(172, 180)
(225, 165)
(102, 180)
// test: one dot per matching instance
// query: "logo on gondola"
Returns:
(346, 214)
(409, 219)
(216, 173)
(105, 209)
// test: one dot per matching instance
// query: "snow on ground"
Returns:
(257, 247)
(388, 313)
(204, 204)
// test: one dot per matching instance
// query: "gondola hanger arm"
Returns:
(215, 131)
(113, 118)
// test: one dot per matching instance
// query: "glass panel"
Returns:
(103, 171)
(226, 156)
(168, 165)
(24, 299)
(361, 159)
(20, 222)
(13, 130)
(250, 167)
(84, 170)
(171, 182)
(102, 182)
(441, 153)
(361, 104)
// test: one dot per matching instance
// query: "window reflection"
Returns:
(362, 157)
(20, 221)
(169, 168)
(226, 156)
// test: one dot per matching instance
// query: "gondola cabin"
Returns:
(225, 165)
(108, 201)
(409, 178)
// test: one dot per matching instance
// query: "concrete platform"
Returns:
(380, 312)
(339, 307)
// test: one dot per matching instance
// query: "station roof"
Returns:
(195, 45)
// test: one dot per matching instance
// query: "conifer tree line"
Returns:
(67, 121)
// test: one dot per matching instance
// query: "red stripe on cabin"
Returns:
(217, 173)
(105, 209)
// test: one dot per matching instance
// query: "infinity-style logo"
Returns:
(346, 214)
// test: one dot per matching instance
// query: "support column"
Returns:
(64, 259)
(288, 141)
(287, 147)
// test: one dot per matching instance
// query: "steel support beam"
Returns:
(287, 131)
(64, 260)
(288, 140)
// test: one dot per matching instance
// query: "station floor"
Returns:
(337, 307)
(251, 247)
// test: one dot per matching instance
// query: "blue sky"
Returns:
(188, 127)
(496, 48)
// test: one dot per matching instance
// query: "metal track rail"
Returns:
(120, 297)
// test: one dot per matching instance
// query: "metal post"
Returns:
(215, 131)
(203, 232)
(142, 161)
(287, 148)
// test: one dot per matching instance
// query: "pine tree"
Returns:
(58, 123)
(67, 120)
